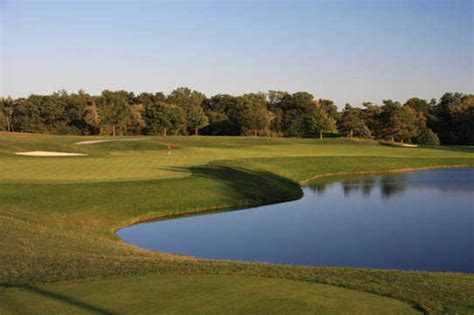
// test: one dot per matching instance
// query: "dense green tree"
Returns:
(424, 107)
(444, 122)
(351, 123)
(276, 122)
(455, 118)
(27, 114)
(299, 114)
(253, 113)
(163, 118)
(3, 118)
(114, 110)
(399, 123)
(275, 97)
(419, 105)
(52, 112)
(6, 109)
(148, 98)
(427, 136)
(191, 102)
(371, 117)
(136, 123)
(294, 109)
(196, 119)
(330, 108)
(297, 101)
(92, 119)
(218, 124)
(275, 113)
(76, 110)
(223, 115)
(316, 121)
(391, 122)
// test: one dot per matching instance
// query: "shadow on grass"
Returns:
(249, 185)
(84, 306)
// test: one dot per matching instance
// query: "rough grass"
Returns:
(57, 217)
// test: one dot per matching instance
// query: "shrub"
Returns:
(427, 136)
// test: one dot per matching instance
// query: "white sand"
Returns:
(100, 141)
(49, 153)
(92, 141)
(399, 144)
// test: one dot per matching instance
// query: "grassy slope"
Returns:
(72, 205)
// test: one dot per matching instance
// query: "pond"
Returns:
(422, 220)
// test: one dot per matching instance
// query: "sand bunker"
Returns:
(92, 141)
(100, 141)
(49, 153)
(399, 144)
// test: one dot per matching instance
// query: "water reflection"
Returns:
(390, 187)
(318, 187)
(364, 185)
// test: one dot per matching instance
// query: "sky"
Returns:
(347, 51)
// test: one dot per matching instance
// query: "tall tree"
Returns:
(371, 116)
(398, 123)
(76, 110)
(221, 110)
(419, 105)
(424, 107)
(53, 118)
(6, 108)
(3, 119)
(92, 119)
(351, 123)
(114, 110)
(254, 115)
(330, 108)
(191, 102)
(454, 123)
(196, 119)
(27, 116)
(462, 117)
(275, 97)
(301, 115)
(316, 121)
(294, 109)
(163, 118)
(148, 98)
(136, 121)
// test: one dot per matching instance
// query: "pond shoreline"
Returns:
(225, 208)
(225, 235)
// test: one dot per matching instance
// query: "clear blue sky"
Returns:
(348, 51)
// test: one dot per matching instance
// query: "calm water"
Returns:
(422, 221)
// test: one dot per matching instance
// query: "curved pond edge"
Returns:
(224, 208)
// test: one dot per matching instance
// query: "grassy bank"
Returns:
(57, 217)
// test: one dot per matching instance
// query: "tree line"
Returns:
(449, 120)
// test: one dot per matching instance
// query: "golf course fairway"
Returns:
(58, 214)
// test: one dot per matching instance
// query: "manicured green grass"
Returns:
(57, 217)
(178, 294)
